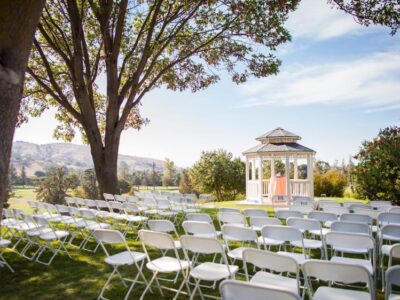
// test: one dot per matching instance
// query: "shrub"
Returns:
(332, 183)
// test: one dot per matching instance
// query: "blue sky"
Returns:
(338, 85)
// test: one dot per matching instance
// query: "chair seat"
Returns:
(389, 237)
(167, 264)
(25, 226)
(308, 244)
(354, 261)
(37, 231)
(177, 244)
(54, 235)
(394, 297)
(328, 293)
(95, 226)
(103, 214)
(318, 232)
(299, 257)
(4, 243)
(270, 279)
(351, 250)
(125, 258)
(210, 271)
(209, 235)
(151, 212)
(270, 242)
(237, 253)
(67, 219)
(192, 210)
(168, 213)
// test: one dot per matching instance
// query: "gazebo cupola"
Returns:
(264, 167)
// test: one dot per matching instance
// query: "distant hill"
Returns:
(77, 157)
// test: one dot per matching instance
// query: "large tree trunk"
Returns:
(105, 160)
(18, 21)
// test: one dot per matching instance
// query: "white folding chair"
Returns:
(285, 214)
(352, 243)
(194, 246)
(275, 263)
(48, 237)
(304, 209)
(108, 197)
(358, 206)
(120, 198)
(338, 211)
(165, 226)
(258, 222)
(347, 204)
(239, 290)
(246, 236)
(133, 215)
(201, 217)
(125, 258)
(163, 264)
(308, 227)
(325, 218)
(386, 218)
(165, 210)
(103, 209)
(201, 229)
(91, 223)
(379, 203)
(395, 209)
(323, 204)
(392, 278)
(255, 212)
(338, 273)
(358, 218)
(231, 218)
(351, 227)
(280, 235)
(3, 246)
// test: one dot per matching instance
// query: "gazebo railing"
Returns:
(299, 187)
(266, 187)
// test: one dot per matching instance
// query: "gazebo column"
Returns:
(287, 173)
(247, 177)
(260, 178)
(312, 176)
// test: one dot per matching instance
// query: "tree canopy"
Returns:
(135, 47)
(377, 173)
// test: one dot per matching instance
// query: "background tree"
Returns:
(13, 178)
(377, 174)
(321, 166)
(55, 186)
(139, 46)
(216, 172)
(169, 175)
(40, 174)
(366, 12)
(89, 184)
(18, 21)
(185, 183)
(23, 176)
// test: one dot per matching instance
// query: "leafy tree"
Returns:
(139, 46)
(377, 174)
(278, 165)
(169, 175)
(332, 183)
(366, 12)
(14, 179)
(18, 21)
(185, 184)
(55, 186)
(23, 176)
(322, 166)
(89, 184)
(216, 172)
(124, 186)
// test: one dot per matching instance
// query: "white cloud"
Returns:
(371, 82)
(318, 20)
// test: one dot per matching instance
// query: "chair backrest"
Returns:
(240, 290)
(269, 260)
(109, 236)
(360, 206)
(347, 204)
(255, 212)
(392, 277)
(150, 202)
(323, 204)
(395, 209)
(201, 217)
(163, 204)
(102, 204)
(395, 251)
(304, 224)
(379, 203)
(369, 212)
(261, 221)
(156, 239)
(239, 233)
(120, 198)
(108, 197)
(229, 209)
(70, 201)
(231, 218)
(131, 207)
(280, 232)
(116, 206)
(322, 216)
(165, 226)
(199, 228)
(285, 214)
(388, 218)
(338, 272)
(303, 200)
(201, 245)
(80, 201)
(384, 208)
(390, 232)
(132, 199)
(336, 210)
(351, 227)
(62, 209)
(304, 209)
(350, 241)
(365, 219)
(91, 203)
(86, 213)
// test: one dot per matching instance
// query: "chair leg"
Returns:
(107, 282)
(148, 286)
(4, 262)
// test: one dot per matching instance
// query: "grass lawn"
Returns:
(81, 277)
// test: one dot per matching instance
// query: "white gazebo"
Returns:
(278, 146)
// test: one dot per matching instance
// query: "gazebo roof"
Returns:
(278, 140)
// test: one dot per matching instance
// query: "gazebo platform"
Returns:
(266, 203)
